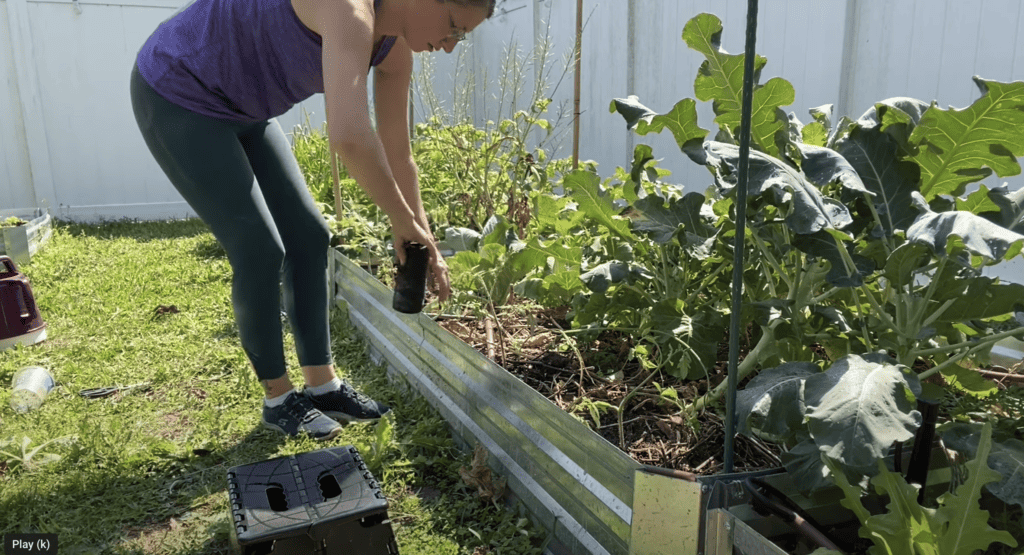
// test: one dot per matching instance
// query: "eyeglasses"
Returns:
(455, 34)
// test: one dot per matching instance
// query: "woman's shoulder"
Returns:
(316, 14)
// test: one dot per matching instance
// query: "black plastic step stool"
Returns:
(322, 503)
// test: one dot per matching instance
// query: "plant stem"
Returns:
(882, 314)
(929, 293)
(952, 360)
(973, 344)
(935, 315)
(576, 351)
(692, 297)
(622, 406)
(773, 263)
(874, 213)
(764, 345)
(823, 297)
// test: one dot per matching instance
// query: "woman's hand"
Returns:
(414, 232)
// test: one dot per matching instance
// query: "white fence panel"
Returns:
(93, 146)
(604, 75)
(14, 162)
(101, 169)
(68, 137)
(930, 49)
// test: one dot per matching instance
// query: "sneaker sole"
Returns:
(345, 418)
(333, 434)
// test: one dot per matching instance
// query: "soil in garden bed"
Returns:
(588, 380)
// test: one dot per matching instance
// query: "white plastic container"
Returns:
(31, 384)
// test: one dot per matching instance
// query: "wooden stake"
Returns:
(334, 166)
(576, 77)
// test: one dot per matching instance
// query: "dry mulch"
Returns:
(530, 344)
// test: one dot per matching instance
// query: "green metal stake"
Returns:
(741, 226)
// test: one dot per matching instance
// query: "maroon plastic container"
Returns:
(20, 321)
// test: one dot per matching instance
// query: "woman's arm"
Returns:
(392, 78)
(391, 102)
(346, 28)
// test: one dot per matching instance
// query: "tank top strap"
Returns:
(381, 49)
(383, 46)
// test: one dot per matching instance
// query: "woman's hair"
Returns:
(485, 4)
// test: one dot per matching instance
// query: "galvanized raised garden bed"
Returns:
(21, 242)
(594, 498)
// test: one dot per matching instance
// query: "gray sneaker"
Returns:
(348, 405)
(298, 415)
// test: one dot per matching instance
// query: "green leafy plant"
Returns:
(474, 172)
(13, 221)
(649, 273)
(959, 526)
(864, 260)
(852, 412)
(1005, 456)
(593, 408)
(491, 263)
(851, 227)
(380, 447)
(22, 456)
(852, 241)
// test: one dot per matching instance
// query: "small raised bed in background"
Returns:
(25, 231)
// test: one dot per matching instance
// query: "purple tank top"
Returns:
(240, 60)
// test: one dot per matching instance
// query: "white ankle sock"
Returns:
(328, 387)
(276, 401)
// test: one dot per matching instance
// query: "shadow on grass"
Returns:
(144, 231)
(209, 249)
(141, 509)
(139, 230)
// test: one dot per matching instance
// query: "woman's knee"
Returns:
(253, 251)
(310, 240)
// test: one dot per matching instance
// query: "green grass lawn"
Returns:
(145, 471)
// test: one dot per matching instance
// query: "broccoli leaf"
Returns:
(957, 147)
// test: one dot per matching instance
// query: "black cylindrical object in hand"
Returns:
(411, 280)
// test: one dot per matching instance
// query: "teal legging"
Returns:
(243, 180)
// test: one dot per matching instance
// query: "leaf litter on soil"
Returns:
(654, 431)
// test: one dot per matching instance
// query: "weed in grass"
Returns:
(144, 470)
